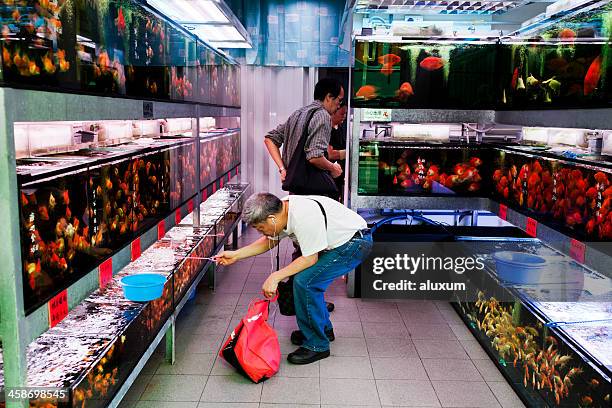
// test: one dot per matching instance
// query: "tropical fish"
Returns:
(48, 64)
(120, 21)
(6, 57)
(432, 63)
(405, 91)
(515, 76)
(586, 401)
(367, 92)
(532, 81)
(520, 84)
(390, 59)
(592, 77)
(387, 69)
(567, 34)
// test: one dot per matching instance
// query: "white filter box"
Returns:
(535, 135)
(568, 137)
(178, 125)
(143, 128)
(408, 131)
(48, 135)
(607, 142)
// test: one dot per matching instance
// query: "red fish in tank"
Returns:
(592, 77)
(432, 63)
(567, 34)
(120, 21)
(387, 69)
(405, 91)
(515, 76)
(367, 92)
(389, 59)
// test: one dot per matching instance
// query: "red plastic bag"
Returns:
(253, 347)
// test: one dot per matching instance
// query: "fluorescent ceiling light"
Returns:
(214, 33)
(201, 11)
(230, 44)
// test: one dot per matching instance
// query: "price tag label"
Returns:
(58, 308)
(106, 272)
(532, 227)
(161, 229)
(177, 216)
(376, 115)
(221, 182)
(190, 205)
(205, 194)
(503, 212)
(214, 187)
(136, 249)
(577, 250)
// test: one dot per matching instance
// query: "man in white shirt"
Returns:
(333, 239)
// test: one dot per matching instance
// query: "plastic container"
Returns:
(519, 267)
(143, 287)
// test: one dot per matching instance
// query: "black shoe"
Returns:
(305, 356)
(297, 337)
(330, 307)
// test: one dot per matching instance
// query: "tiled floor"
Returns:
(412, 354)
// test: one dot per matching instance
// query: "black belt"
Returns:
(362, 233)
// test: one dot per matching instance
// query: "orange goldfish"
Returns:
(432, 63)
(387, 69)
(367, 92)
(6, 57)
(592, 77)
(567, 34)
(405, 91)
(120, 21)
(389, 59)
(48, 64)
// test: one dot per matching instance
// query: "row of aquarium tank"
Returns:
(78, 208)
(570, 195)
(92, 351)
(566, 65)
(113, 48)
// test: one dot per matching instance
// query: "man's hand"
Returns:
(283, 175)
(336, 170)
(226, 257)
(270, 285)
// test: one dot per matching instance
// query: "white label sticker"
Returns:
(376, 115)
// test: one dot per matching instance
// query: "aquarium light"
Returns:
(202, 11)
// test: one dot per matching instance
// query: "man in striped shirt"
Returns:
(328, 95)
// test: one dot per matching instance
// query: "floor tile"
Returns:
(348, 329)
(465, 394)
(349, 347)
(286, 346)
(346, 406)
(505, 395)
(401, 368)
(228, 405)
(200, 344)
(194, 364)
(137, 388)
(298, 371)
(231, 388)
(430, 331)
(214, 299)
(380, 315)
(446, 369)
(291, 391)
(174, 388)
(414, 393)
(375, 304)
(451, 316)
(346, 367)
(127, 404)
(474, 349)
(265, 405)
(353, 392)
(151, 367)
(382, 347)
(417, 306)
(440, 349)
(422, 317)
(462, 332)
(208, 326)
(489, 370)
(384, 330)
(222, 367)
(167, 404)
(341, 314)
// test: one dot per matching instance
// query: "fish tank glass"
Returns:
(568, 196)
(394, 168)
(110, 48)
(458, 75)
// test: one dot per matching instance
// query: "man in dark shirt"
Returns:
(337, 145)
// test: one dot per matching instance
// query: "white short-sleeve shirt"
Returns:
(306, 224)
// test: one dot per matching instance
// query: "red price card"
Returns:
(106, 272)
(205, 194)
(58, 308)
(221, 182)
(136, 249)
(177, 216)
(503, 212)
(161, 229)
(214, 186)
(532, 227)
(190, 205)
(577, 250)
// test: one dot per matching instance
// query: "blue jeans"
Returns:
(310, 284)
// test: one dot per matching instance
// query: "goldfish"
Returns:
(387, 69)
(532, 81)
(593, 383)
(520, 84)
(120, 21)
(592, 77)
(33, 68)
(432, 63)
(586, 401)
(390, 59)
(515, 76)
(6, 57)
(405, 91)
(48, 64)
(367, 92)
(16, 15)
(567, 34)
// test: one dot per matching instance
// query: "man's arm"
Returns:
(298, 265)
(334, 154)
(275, 154)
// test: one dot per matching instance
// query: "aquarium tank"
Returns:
(110, 48)
(423, 74)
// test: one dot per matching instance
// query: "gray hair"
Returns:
(260, 206)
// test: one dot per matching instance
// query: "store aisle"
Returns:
(385, 354)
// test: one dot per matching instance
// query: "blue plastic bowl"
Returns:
(143, 287)
(519, 267)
